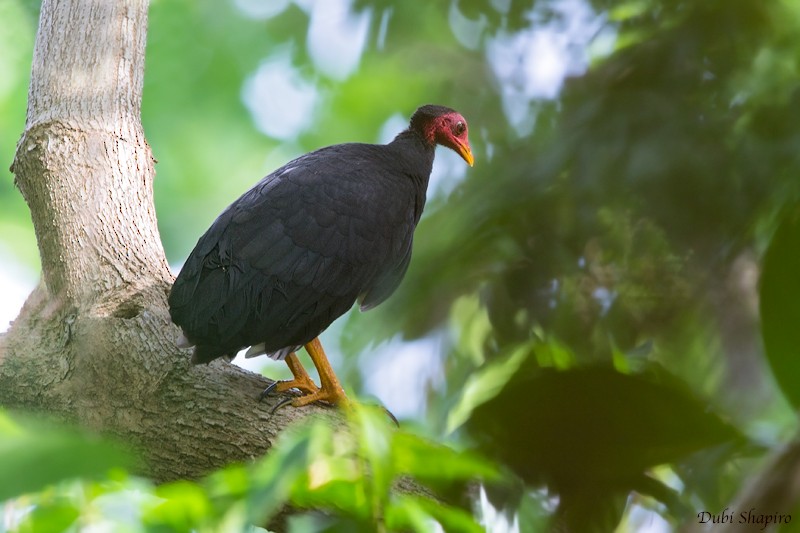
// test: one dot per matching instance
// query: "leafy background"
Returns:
(590, 288)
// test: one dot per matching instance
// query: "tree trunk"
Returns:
(94, 343)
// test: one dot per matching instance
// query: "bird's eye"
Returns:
(460, 128)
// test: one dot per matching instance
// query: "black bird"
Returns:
(293, 253)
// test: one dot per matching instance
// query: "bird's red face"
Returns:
(451, 130)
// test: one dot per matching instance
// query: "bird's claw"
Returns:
(305, 386)
(281, 404)
(391, 416)
(318, 396)
(266, 392)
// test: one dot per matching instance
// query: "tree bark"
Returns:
(94, 343)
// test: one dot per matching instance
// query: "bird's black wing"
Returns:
(293, 253)
(386, 283)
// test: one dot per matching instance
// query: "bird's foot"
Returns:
(332, 396)
(329, 395)
(303, 384)
(330, 391)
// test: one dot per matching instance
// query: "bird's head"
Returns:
(445, 126)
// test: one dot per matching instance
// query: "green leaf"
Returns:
(485, 385)
(247, 494)
(420, 514)
(429, 461)
(34, 455)
(780, 306)
(374, 432)
(280, 471)
(347, 498)
(184, 507)
(593, 424)
(57, 515)
(351, 469)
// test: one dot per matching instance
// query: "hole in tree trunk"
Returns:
(128, 309)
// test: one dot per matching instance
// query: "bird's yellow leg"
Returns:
(301, 381)
(330, 390)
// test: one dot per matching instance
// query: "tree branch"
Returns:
(94, 343)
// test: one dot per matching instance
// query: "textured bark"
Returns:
(94, 343)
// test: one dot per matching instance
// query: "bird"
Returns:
(328, 229)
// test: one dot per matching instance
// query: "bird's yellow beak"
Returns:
(465, 152)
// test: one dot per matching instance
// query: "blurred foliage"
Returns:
(610, 231)
(590, 446)
(335, 479)
(17, 30)
(780, 294)
(36, 454)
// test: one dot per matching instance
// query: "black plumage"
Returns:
(294, 253)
